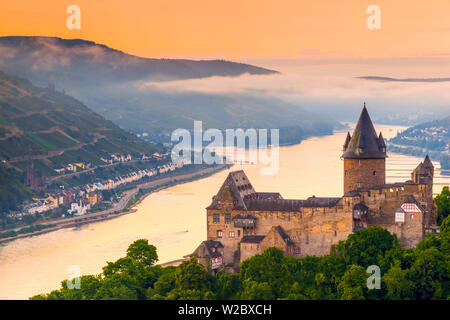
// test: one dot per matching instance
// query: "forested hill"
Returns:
(431, 138)
(56, 130)
(56, 127)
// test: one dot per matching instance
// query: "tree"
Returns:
(118, 287)
(253, 290)
(398, 286)
(226, 285)
(366, 246)
(269, 267)
(143, 252)
(429, 269)
(191, 275)
(164, 284)
(443, 204)
(353, 284)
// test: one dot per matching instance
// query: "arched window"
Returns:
(374, 173)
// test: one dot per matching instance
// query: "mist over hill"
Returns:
(110, 83)
(74, 61)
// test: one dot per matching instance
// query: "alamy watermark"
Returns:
(239, 146)
(74, 280)
(374, 280)
(374, 20)
(74, 20)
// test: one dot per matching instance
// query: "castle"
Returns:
(242, 222)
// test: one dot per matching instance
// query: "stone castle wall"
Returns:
(314, 230)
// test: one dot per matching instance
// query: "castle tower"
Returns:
(424, 174)
(364, 156)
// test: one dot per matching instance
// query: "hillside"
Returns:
(111, 82)
(55, 129)
(431, 138)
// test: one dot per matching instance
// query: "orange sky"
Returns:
(242, 28)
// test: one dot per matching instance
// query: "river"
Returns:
(174, 219)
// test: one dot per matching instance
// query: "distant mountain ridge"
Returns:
(388, 79)
(75, 60)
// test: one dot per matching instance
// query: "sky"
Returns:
(243, 29)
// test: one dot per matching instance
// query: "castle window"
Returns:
(358, 184)
(219, 234)
(216, 218)
(346, 172)
(374, 173)
(335, 233)
(227, 218)
(231, 234)
(239, 233)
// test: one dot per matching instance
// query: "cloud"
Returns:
(293, 86)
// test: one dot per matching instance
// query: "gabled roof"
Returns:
(320, 202)
(273, 205)
(239, 186)
(253, 238)
(283, 235)
(364, 143)
(412, 199)
(264, 195)
(360, 206)
(244, 215)
(209, 249)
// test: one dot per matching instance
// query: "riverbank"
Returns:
(126, 204)
(420, 152)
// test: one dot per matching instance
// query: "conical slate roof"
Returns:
(427, 162)
(364, 143)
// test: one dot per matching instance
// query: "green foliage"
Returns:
(253, 290)
(421, 273)
(12, 190)
(45, 121)
(366, 246)
(398, 285)
(353, 283)
(443, 204)
(191, 275)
